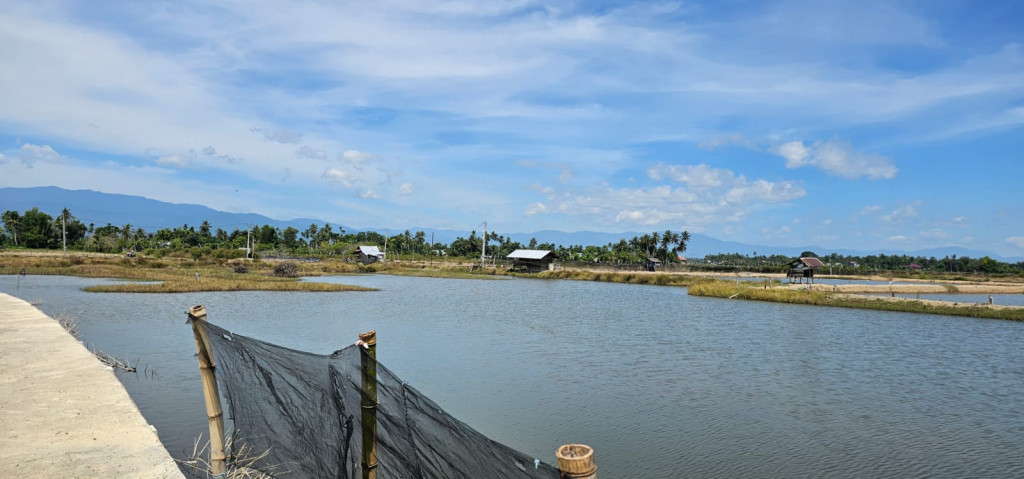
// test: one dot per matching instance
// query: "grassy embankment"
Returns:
(758, 292)
(657, 279)
(167, 275)
(177, 274)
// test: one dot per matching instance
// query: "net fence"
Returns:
(305, 410)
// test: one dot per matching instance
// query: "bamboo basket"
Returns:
(576, 461)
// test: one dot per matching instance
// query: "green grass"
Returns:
(757, 292)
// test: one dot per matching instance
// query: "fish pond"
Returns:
(661, 384)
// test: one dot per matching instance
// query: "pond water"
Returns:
(661, 384)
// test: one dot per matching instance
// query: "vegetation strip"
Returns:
(656, 279)
(758, 292)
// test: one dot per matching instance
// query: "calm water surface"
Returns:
(661, 384)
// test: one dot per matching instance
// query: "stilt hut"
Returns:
(532, 260)
(803, 268)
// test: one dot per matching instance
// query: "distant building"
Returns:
(803, 268)
(369, 254)
(532, 260)
(651, 264)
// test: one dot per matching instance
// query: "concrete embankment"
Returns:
(62, 412)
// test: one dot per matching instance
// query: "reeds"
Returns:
(242, 462)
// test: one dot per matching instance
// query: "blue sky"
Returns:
(894, 125)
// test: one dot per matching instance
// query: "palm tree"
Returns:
(12, 219)
(204, 229)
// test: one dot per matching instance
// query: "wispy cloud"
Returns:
(836, 157)
(1017, 241)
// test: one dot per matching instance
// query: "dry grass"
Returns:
(657, 279)
(169, 275)
(758, 292)
(242, 462)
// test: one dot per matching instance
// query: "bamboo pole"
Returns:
(576, 461)
(211, 394)
(368, 365)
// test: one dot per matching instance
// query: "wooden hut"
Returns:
(532, 260)
(803, 268)
(369, 254)
(651, 264)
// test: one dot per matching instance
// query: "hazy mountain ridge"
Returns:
(97, 207)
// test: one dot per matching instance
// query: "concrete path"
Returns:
(62, 412)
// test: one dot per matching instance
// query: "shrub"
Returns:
(287, 269)
(241, 268)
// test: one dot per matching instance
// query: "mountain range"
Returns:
(101, 208)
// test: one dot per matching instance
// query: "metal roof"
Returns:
(812, 262)
(370, 250)
(529, 254)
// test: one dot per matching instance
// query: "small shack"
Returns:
(369, 254)
(803, 268)
(651, 264)
(532, 260)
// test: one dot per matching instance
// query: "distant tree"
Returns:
(37, 230)
(12, 222)
(290, 237)
(810, 254)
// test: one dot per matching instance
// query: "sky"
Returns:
(862, 124)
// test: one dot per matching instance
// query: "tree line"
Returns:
(38, 230)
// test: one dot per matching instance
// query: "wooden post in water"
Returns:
(368, 366)
(207, 371)
(576, 461)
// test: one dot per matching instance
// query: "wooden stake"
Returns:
(207, 371)
(368, 365)
(576, 461)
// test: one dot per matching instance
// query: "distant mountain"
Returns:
(101, 208)
(96, 207)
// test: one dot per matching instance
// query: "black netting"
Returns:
(304, 410)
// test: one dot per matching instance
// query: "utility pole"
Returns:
(386, 233)
(483, 249)
(248, 240)
(431, 248)
(64, 228)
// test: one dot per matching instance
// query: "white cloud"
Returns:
(306, 151)
(405, 189)
(704, 196)
(959, 219)
(175, 161)
(897, 238)
(794, 152)
(340, 177)
(369, 195)
(900, 214)
(3, 159)
(1017, 241)
(355, 156)
(30, 154)
(278, 135)
(836, 158)
(827, 222)
(869, 209)
(535, 208)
